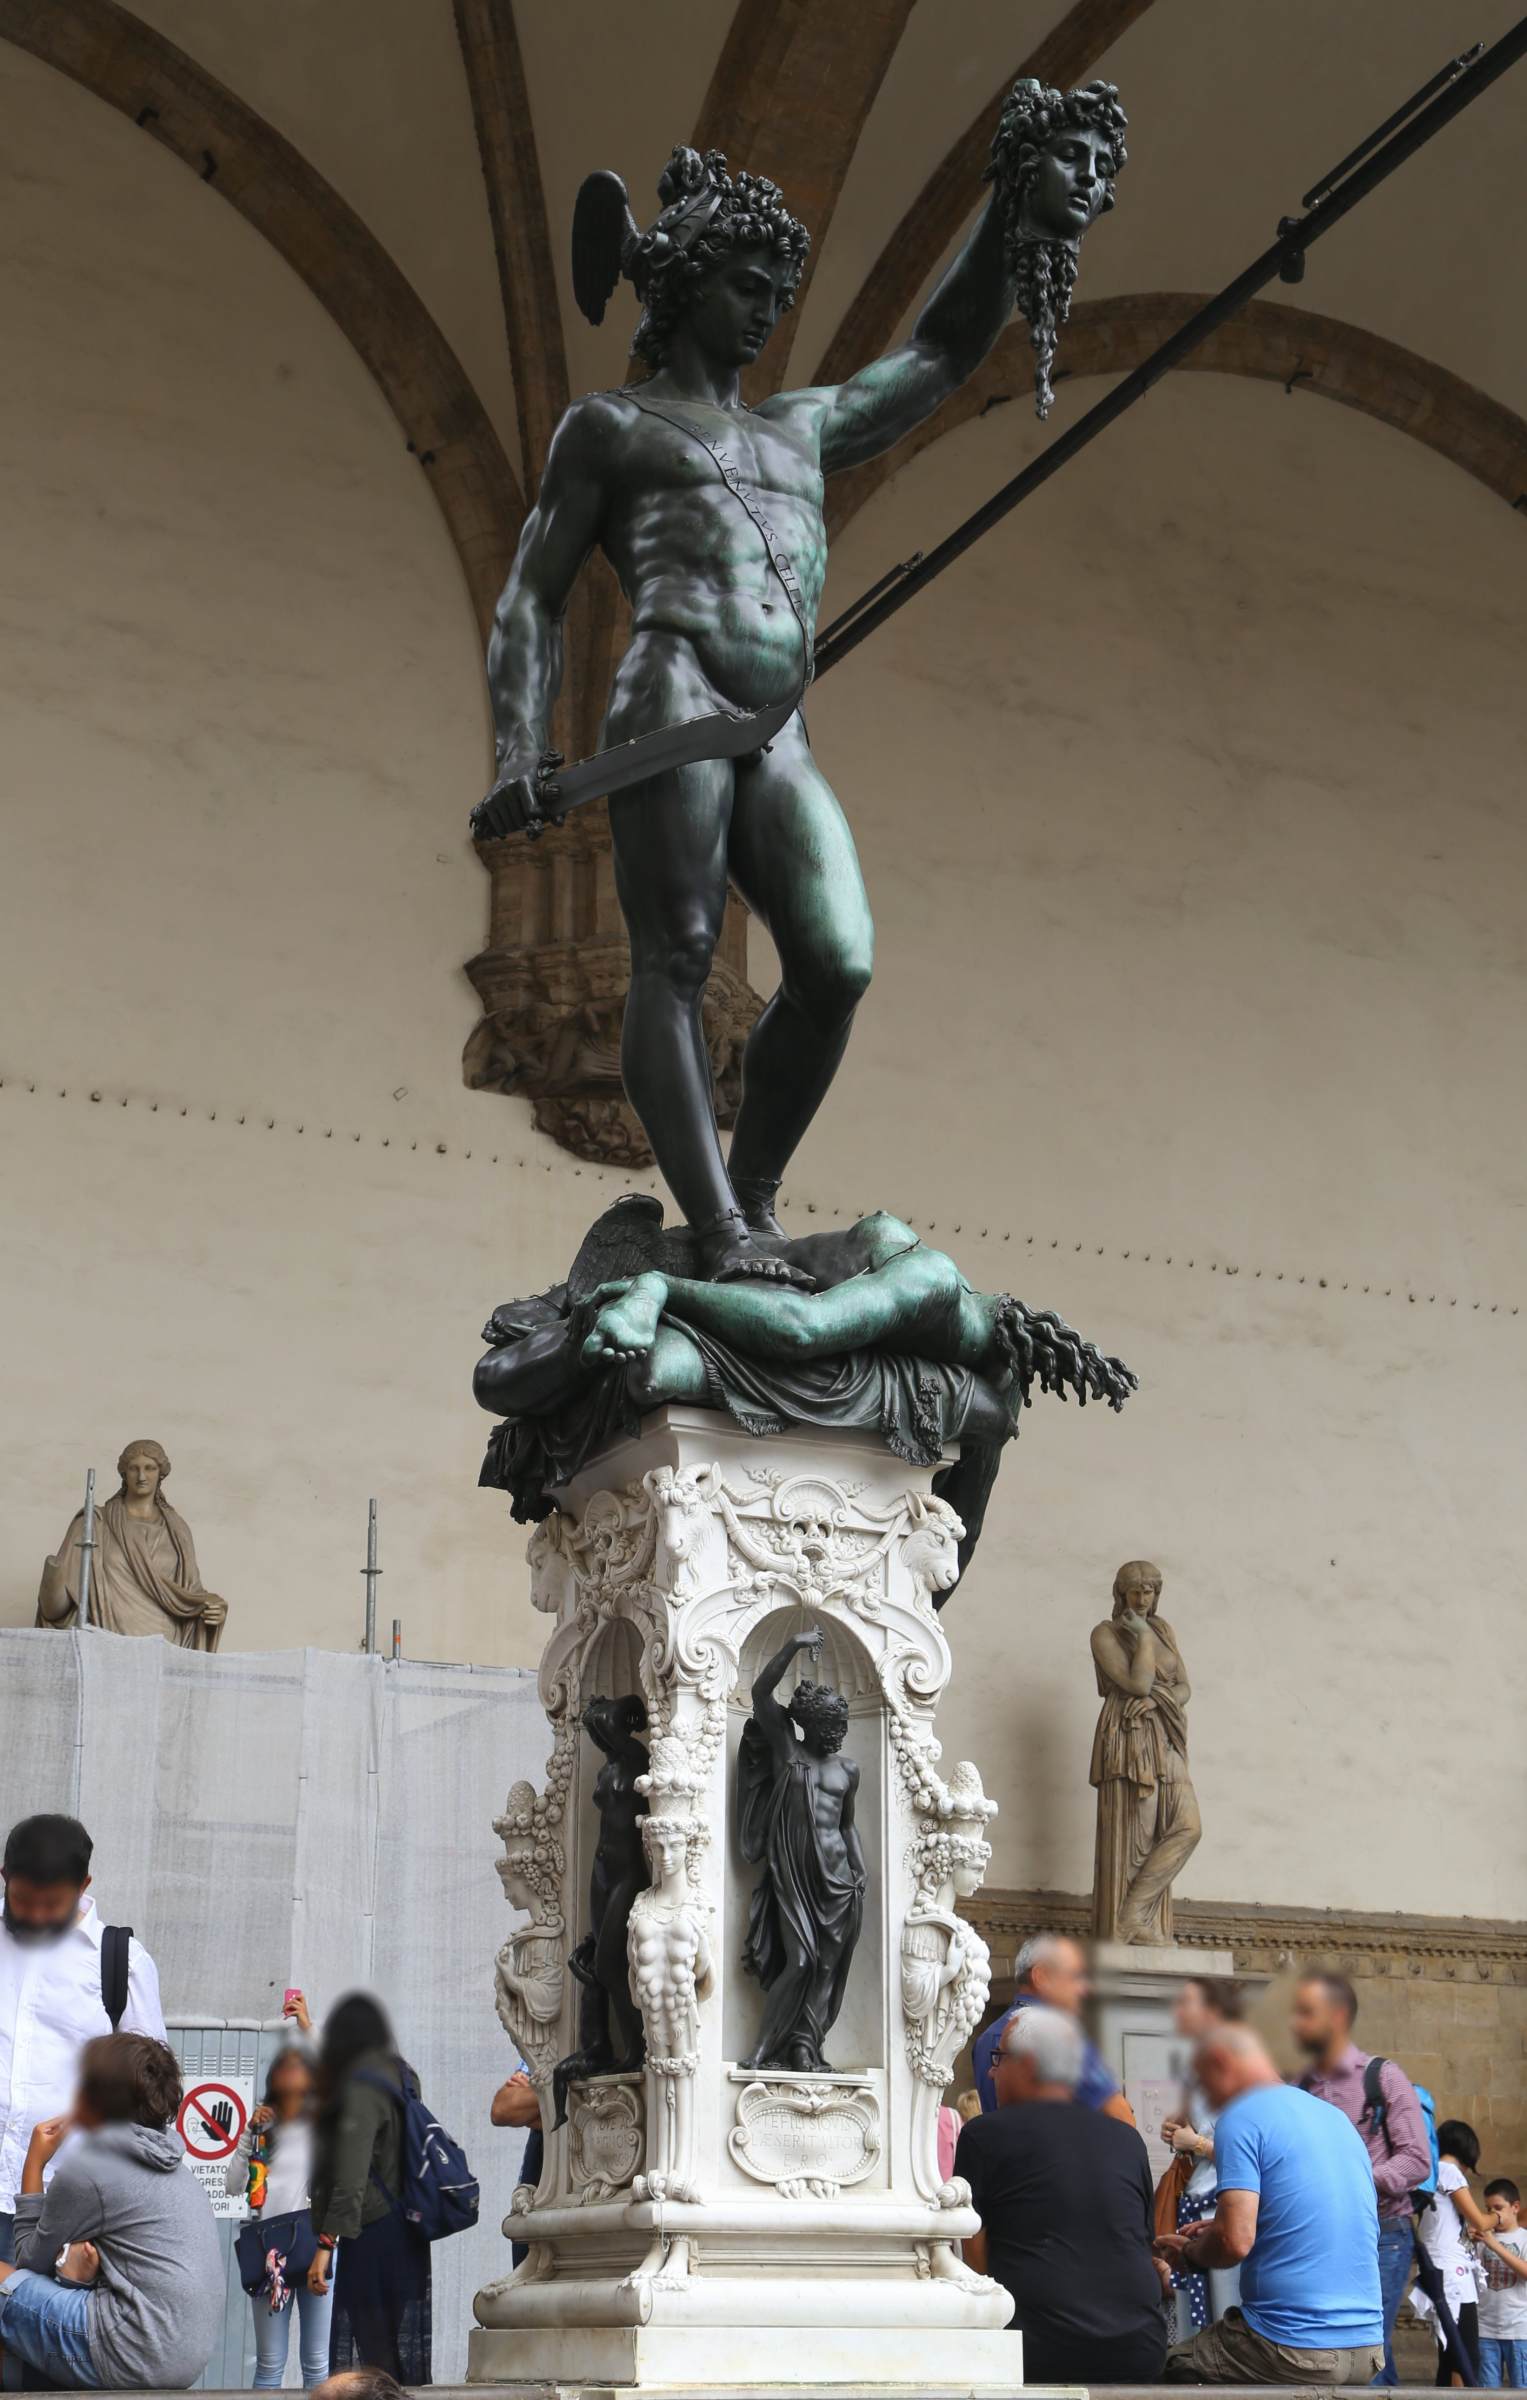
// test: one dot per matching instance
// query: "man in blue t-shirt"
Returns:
(1297, 2214)
(1051, 1973)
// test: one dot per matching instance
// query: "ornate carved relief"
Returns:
(668, 1943)
(818, 1542)
(553, 1008)
(945, 1966)
(608, 2135)
(808, 2136)
(528, 1978)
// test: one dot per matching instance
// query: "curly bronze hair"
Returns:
(1045, 271)
(821, 1713)
(707, 214)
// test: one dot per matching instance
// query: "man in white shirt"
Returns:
(51, 2000)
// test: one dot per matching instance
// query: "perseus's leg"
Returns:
(669, 840)
(670, 844)
(794, 862)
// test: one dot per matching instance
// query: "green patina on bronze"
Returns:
(711, 514)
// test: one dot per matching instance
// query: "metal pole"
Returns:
(371, 1571)
(1285, 258)
(397, 1639)
(87, 1546)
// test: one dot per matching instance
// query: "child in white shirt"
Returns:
(1503, 2302)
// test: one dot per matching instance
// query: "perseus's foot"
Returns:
(730, 1252)
(756, 1199)
(626, 1326)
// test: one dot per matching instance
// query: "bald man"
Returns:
(1297, 2214)
(1051, 1972)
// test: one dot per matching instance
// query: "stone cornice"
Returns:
(1462, 1949)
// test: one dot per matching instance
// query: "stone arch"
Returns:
(1292, 346)
(229, 146)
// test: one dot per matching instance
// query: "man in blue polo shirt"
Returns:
(1297, 2214)
(1051, 1973)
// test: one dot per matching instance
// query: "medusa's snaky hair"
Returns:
(1045, 271)
(706, 214)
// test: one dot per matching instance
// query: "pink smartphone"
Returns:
(289, 1999)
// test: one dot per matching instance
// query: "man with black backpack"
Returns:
(1380, 2100)
(65, 1978)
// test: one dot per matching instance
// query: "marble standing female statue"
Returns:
(1148, 1824)
(144, 1577)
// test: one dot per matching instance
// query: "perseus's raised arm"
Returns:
(525, 645)
(955, 329)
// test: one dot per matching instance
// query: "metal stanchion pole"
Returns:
(371, 1571)
(87, 1546)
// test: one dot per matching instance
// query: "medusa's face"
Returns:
(1067, 189)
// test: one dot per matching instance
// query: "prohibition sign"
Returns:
(201, 2124)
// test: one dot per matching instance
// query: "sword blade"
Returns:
(723, 735)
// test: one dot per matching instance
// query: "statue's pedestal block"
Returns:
(706, 2223)
(1135, 1988)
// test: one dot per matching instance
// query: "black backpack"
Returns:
(116, 1947)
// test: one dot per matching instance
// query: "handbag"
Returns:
(292, 2235)
(1174, 2182)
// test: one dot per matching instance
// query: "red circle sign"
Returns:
(211, 2120)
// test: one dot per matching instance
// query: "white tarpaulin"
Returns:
(299, 1817)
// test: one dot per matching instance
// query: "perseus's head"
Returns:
(1054, 159)
(822, 1715)
(725, 256)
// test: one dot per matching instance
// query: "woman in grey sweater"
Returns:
(118, 2281)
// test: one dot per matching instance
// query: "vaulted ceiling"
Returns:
(416, 160)
(415, 163)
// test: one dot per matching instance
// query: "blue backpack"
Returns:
(1376, 2113)
(439, 2194)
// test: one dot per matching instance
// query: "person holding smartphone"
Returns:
(273, 2164)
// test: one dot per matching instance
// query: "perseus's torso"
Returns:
(693, 562)
(830, 1780)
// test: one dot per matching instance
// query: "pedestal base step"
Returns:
(693, 2362)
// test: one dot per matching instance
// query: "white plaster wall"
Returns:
(241, 723)
(1189, 810)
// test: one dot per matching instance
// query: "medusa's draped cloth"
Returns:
(807, 1905)
(143, 1578)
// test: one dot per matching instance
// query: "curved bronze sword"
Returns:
(535, 801)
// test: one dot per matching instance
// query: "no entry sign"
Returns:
(212, 2117)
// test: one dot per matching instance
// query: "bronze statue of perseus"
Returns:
(711, 514)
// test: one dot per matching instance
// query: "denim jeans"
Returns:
(1396, 2250)
(48, 2325)
(7, 2239)
(273, 2335)
(1502, 2365)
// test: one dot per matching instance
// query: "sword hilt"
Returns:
(520, 803)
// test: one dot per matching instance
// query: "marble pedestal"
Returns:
(703, 2224)
(1134, 1992)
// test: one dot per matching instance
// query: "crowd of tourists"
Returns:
(112, 2276)
(1276, 2247)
